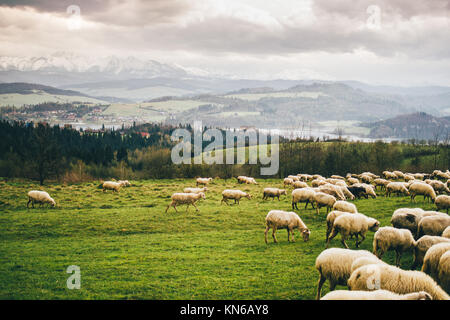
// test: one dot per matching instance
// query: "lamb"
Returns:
(278, 219)
(423, 189)
(383, 276)
(345, 206)
(432, 258)
(334, 265)
(444, 271)
(433, 225)
(111, 185)
(396, 187)
(203, 181)
(422, 246)
(446, 233)
(302, 195)
(300, 184)
(330, 221)
(323, 200)
(236, 195)
(185, 198)
(273, 193)
(442, 202)
(41, 197)
(389, 238)
(195, 190)
(375, 295)
(356, 224)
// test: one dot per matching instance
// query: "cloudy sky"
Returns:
(401, 42)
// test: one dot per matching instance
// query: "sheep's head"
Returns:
(248, 196)
(305, 234)
(282, 192)
(52, 203)
(422, 295)
(202, 195)
(374, 225)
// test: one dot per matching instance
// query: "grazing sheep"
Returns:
(422, 246)
(358, 192)
(356, 224)
(439, 187)
(195, 190)
(236, 195)
(335, 176)
(389, 238)
(433, 225)
(294, 178)
(382, 276)
(399, 174)
(421, 188)
(389, 175)
(299, 184)
(203, 181)
(185, 198)
(431, 259)
(446, 233)
(318, 182)
(442, 202)
(382, 183)
(375, 295)
(111, 185)
(346, 192)
(363, 261)
(351, 180)
(288, 181)
(278, 219)
(345, 206)
(323, 200)
(396, 187)
(444, 271)
(366, 178)
(302, 195)
(124, 183)
(330, 220)
(41, 197)
(407, 218)
(333, 191)
(334, 265)
(246, 180)
(273, 193)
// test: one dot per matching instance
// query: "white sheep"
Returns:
(422, 246)
(273, 193)
(288, 181)
(431, 260)
(399, 174)
(203, 181)
(111, 185)
(407, 218)
(346, 192)
(439, 186)
(41, 197)
(302, 195)
(375, 295)
(250, 180)
(356, 224)
(382, 183)
(330, 221)
(389, 238)
(383, 276)
(335, 264)
(389, 175)
(421, 188)
(299, 184)
(278, 219)
(195, 190)
(323, 200)
(396, 187)
(433, 225)
(235, 195)
(124, 183)
(185, 198)
(446, 232)
(351, 180)
(345, 206)
(335, 176)
(444, 271)
(333, 190)
(442, 202)
(318, 182)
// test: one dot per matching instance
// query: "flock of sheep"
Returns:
(425, 233)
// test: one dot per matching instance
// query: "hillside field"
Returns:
(127, 247)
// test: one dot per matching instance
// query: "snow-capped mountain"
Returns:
(61, 62)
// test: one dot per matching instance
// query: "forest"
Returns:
(42, 152)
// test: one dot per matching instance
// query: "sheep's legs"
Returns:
(320, 283)
(289, 233)
(29, 200)
(344, 243)
(333, 234)
(359, 242)
(274, 229)
(195, 206)
(293, 237)
(265, 234)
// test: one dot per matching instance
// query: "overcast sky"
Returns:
(402, 42)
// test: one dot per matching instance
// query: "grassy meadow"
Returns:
(127, 247)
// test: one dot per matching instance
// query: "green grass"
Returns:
(18, 100)
(128, 248)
